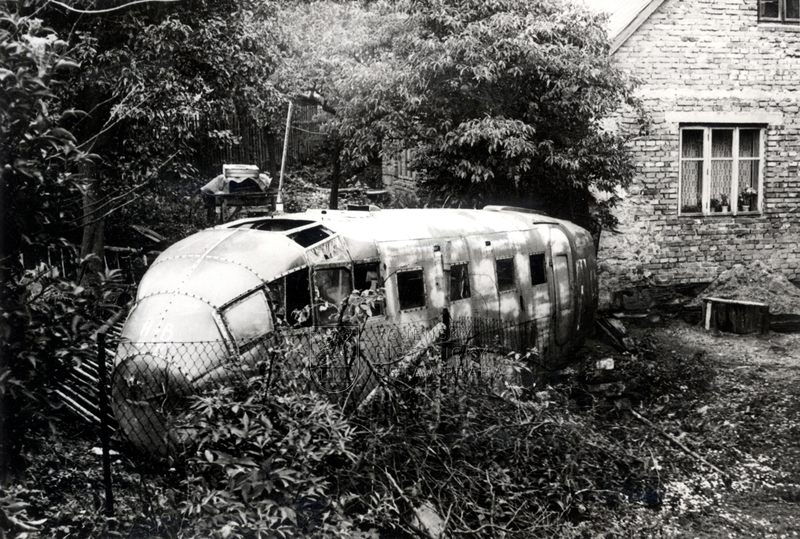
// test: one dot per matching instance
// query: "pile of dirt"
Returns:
(756, 282)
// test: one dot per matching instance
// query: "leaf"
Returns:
(65, 64)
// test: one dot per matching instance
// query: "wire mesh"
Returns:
(152, 383)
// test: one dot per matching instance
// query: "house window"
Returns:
(505, 274)
(721, 170)
(410, 289)
(459, 281)
(785, 11)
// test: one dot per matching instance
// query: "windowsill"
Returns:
(779, 26)
(721, 214)
(459, 299)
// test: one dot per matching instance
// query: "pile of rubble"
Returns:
(756, 282)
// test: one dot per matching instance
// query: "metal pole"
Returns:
(279, 199)
(105, 430)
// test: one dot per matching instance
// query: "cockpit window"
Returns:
(248, 318)
(291, 298)
(310, 236)
(275, 225)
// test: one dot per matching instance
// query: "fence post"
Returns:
(445, 334)
(105, 414)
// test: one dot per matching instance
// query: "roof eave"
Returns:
(631, 28)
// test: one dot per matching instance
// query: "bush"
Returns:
(441, 450)
(263, 461)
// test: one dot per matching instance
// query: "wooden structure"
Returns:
(736, 316)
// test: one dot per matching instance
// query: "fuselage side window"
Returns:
(332, 286)
(459, 281)
(298, 298)
(410, 289)
(505, 274)
(291, 298)
(367, 280)
(366, 276)
(538, 272)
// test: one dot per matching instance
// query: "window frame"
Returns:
(412, 269)
(513, 285)
(707, 159)
(225, 308)
(315, 292)
(543, 256)
(380, 303)
(450, 282)
(781, 18)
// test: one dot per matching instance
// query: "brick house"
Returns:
(717, 180)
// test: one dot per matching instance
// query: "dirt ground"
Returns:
(747, 424)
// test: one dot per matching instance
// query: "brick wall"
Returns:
(710, 61)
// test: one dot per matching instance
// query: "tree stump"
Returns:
(736, 316)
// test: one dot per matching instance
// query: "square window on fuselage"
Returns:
(410, 289)
(505, 274)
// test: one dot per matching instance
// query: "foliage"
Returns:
(91, 116)
(440, 448)
(34, 144)
(149, 120)
(331, 46)
(502, 102)
(34, 147)
(57, 318)
(262, 461)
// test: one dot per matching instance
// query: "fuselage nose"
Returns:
(145, 393)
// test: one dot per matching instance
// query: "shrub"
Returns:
(461, 451)
(262, 463)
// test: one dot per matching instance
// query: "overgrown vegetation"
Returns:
(438, 452)
(612, 473)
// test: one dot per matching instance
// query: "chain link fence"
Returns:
(151, 383)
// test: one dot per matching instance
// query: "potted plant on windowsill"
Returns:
(716, 205)
(747, 199)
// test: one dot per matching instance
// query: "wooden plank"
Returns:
(736, 316)
(81, 401)
(735, 301)
(77, 408)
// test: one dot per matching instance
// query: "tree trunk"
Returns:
(93, 240)
(272, 151)
(336, 174)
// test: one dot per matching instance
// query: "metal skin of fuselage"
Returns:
(218, 285)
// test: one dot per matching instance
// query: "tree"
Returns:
(34, 148)
(84, 135)
(157, 82)
(330, 47)
(502, 102)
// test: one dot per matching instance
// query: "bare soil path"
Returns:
(748, 425)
